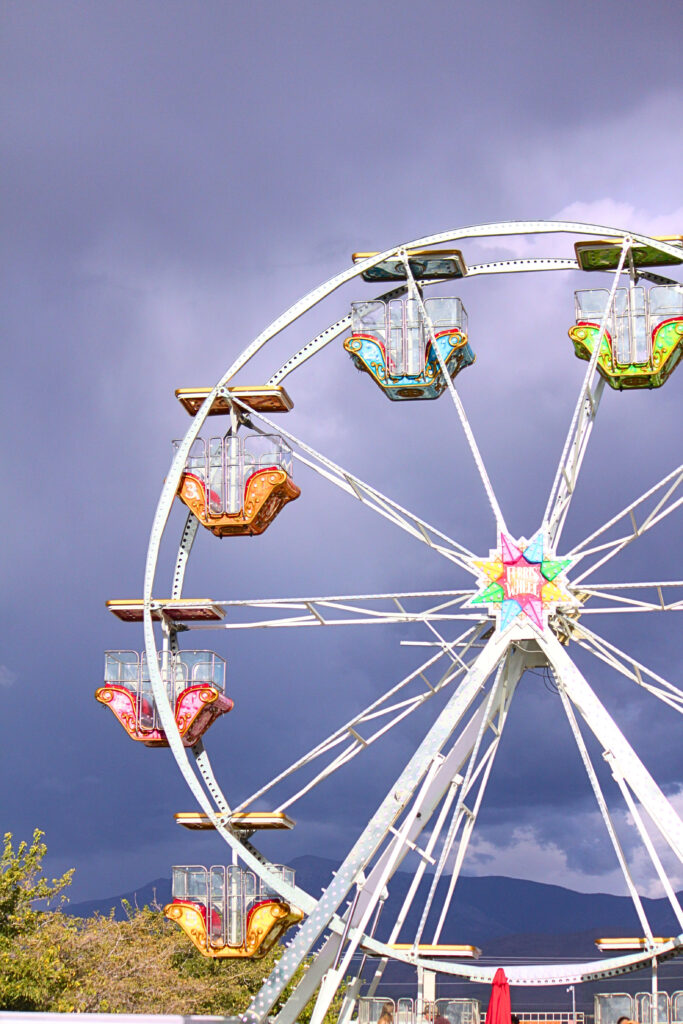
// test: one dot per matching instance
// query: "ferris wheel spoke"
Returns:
(353, 936)
(602, 804)
(636, 818)
(476, 774)
(358, 609)
(346, 734)
(581, 425)
(649, 846)
(409, 899)
(424, 764)
(659, 597)
(371, 497)
(620, 753)
(626, 665)
(457, 402)
(469, 816)
(455, 783)
(381, 708)
(442, 790)
(662, 505)
(572, 460)
(447, 780)
(429, 623)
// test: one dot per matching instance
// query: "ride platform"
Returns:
(425, 265)
(632, 943)
(183, 609)
(604, 254)
(239, 821)
(265, 398)
(452, 950)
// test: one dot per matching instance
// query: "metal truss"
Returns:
(602, 725)
(572, 458)
(655, 505)
(371, 497)
(477, 772)
(625, 664)
(602, 804)
(445, 778)
(460, 408)
(637, 819)
(657, 597)
(377, 719)
(332, 332)
(581, 425)
(351, 610)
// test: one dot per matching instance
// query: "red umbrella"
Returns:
(499, 1003)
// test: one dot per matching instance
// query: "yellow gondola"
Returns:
(228, 913)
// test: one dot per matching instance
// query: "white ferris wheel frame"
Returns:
(439, 774)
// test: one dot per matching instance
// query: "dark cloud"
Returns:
(175, 176)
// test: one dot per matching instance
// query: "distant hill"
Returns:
(488, 909)
(156, 892)
(499, 914)
(510, 919)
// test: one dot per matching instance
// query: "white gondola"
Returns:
(237, 484)
(644, 1005)
(609, 1007)
(195, 686)
(228, 911)
(391, 341)
(406, 1010)
(400, 328)
(643, 337)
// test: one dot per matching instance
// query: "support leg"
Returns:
(376, 831)
(616, 746)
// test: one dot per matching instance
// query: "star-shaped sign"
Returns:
(522, 578)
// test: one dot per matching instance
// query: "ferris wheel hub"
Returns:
(523, 582)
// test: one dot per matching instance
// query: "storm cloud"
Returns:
(175, 175)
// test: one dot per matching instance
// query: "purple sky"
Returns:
(174, 176)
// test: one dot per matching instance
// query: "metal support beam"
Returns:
(376, 831)
(610, 736)
(445, 783)
(581, 425)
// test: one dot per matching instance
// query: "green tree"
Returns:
(51, 962)
(31, 968)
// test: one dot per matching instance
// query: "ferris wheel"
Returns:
(525, 603)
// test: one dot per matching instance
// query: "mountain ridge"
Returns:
(488, 910)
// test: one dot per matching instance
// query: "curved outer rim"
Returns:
(521, 975)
